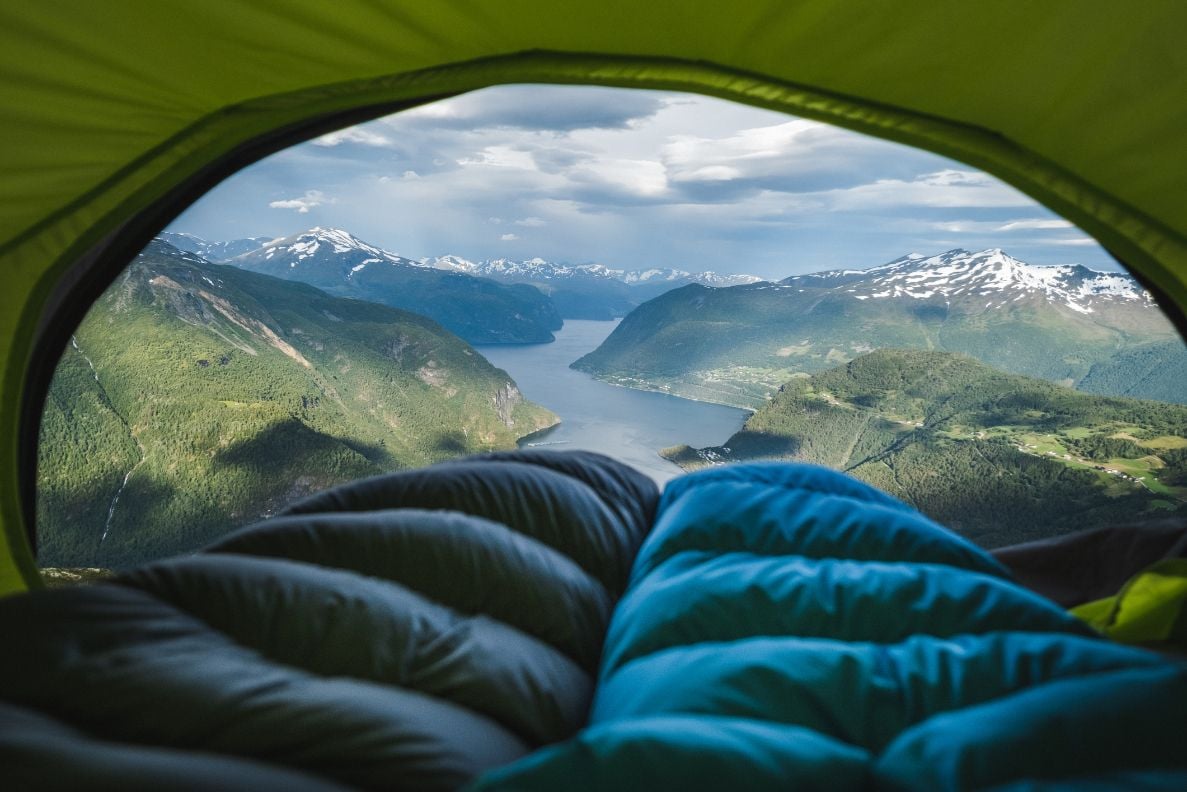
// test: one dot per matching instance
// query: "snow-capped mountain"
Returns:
(1068, 324)
(539, 269)
(323, 248)
(480, 310)
(587, 291)
(213, 251)
(992, 275)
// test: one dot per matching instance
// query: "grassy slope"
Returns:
(999, 457)
(227, 394)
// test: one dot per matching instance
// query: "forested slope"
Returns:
(195, 397)
(999, 457)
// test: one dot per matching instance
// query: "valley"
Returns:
(199, 396)
(628, 424)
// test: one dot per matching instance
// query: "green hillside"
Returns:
(196, 397)
(737, 345)
(999, 457)
(1149, 371)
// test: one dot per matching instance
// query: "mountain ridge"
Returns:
(990, 272)
(581, 291)
(737, 345)
(480, 310)
(543, 269)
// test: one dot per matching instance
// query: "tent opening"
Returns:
(675, 280)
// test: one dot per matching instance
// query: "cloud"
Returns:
(360, 135)
(990, 227)
(1015, 225)
(634, 179)
(311, 199)
(946, 188)
(628, 178)
(552, 108)
(500, 156)
(796, 156)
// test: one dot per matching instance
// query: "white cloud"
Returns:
(645, 178)
(509, 237)
(720, 158)
(946, 188)
(500, 157)
(359, 135)
(311, 199)
(1015, 225)
(991, 227)
(698, 183)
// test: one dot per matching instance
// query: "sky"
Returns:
(632, 179)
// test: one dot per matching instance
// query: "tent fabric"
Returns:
(1090, 565)
(114, 115)
(319, 650)
(883, 653)
(1151, 608)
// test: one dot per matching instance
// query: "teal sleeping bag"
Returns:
(787, 627)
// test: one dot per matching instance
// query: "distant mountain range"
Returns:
(196, 397)
(738, 345)
(538, 269)
(998, 457)
(479, 310)
(337, 261)
(216, 252)
(992, 274)
(588, 291)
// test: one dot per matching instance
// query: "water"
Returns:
(629, 425)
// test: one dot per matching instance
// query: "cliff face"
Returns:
(506, 399)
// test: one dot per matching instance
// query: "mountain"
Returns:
(213, 251)
(737, 345)
(195, 397)
(587, 291)
(998, 457)
(479, 310)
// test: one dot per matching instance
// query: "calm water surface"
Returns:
(629, 425)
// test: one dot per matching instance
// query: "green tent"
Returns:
(115, 115)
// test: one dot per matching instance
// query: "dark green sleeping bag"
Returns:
(403, 632)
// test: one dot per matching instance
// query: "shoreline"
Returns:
(743, 408)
